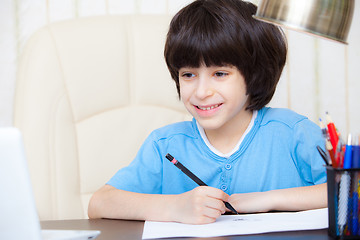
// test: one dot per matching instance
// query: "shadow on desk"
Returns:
(132, 230)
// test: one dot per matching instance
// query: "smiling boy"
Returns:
(216, 97)
(226, 66)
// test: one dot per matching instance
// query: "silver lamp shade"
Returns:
(326, 18)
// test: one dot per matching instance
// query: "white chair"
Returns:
(88, 93)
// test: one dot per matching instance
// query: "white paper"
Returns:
(241, 224)
(69, 234)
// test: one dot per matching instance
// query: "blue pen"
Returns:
(344, 199)
(355, 216)
(348, 153)
(358, 191)
(356, 154)
(344, 189)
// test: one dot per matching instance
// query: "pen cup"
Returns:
(343, 202)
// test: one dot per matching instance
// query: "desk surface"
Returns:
(129, 230)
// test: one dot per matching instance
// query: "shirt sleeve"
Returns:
(311, 167)
(144, 173)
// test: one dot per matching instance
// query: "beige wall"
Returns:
(320, 75)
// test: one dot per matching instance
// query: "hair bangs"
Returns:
(203, 44)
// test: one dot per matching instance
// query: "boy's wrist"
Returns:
(272, 200)
(166, 210)
(169, 208)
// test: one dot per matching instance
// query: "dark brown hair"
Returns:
(223, 32)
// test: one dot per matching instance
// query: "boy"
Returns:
(226, 66)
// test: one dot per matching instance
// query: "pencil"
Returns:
(194, 177)
(323, 155)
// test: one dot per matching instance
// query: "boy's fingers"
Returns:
(213, 212)
(216, 204)
(217, 193)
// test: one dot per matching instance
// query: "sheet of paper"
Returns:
(241, 224)
(69, 234)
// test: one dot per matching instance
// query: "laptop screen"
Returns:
(19, 219)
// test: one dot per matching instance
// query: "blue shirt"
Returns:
(278, 152)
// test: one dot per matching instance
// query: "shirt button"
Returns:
(223, 187)
(228, 166)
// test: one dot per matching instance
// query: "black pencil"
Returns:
(194, 177)
(323, 155)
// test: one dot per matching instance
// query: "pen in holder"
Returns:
(343, 202)
(343, 181)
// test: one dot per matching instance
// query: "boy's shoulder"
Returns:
(184, 128)
(282, 115)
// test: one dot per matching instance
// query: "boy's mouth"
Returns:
(207, 108)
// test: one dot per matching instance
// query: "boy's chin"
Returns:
(210, 124)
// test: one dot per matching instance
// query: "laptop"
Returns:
(18, 214)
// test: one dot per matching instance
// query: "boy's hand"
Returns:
(287, 199)
(199, 206)
(250, 202)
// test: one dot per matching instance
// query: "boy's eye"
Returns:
(187, 75)
(221, 74)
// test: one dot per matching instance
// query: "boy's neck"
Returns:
(226, 138)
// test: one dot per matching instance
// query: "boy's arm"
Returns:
(290, 199)
(201, 205)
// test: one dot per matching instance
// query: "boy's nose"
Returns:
(204, 88)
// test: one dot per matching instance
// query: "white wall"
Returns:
(319, 76)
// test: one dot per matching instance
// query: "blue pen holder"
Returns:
(343, 202)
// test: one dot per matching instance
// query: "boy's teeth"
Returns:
(208, 108)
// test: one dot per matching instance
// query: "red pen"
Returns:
(328, 144)
(339, 156)
(341, 145)
(334, 138)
